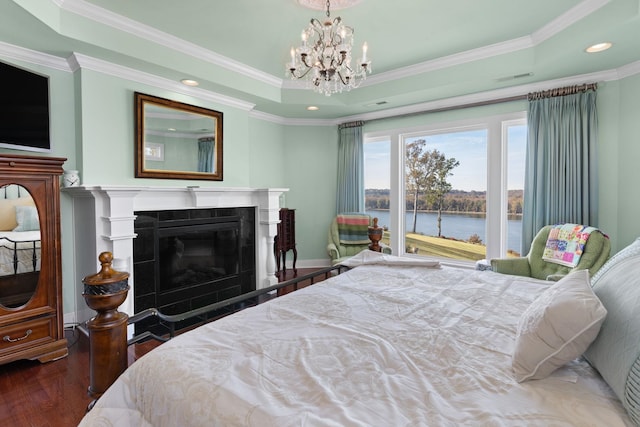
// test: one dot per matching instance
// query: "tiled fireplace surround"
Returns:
(103, 220)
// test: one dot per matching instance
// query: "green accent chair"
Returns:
(339, 252)
(596, 252)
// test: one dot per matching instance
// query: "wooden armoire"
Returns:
(31, 318)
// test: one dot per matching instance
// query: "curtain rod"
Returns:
(351, 124)
(562, 91)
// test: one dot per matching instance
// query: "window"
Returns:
(455, 189)
(516, 141)
(377, 181)
(445, 193)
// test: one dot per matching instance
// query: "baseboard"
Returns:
(311, 263)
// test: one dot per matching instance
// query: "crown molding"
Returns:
(79, 61)
(292, 121)
(460, 101)
(628, 70)
(103, 16)
(451, 60)
(33, 57)
(138, 29)
(563, 21)
(570, 17)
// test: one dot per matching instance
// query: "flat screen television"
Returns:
(24, 110)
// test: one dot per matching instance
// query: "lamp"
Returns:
(324, 57)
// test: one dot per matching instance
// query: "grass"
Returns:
(442, 247)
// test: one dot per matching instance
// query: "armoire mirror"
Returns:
(177, 140)
(20, 243)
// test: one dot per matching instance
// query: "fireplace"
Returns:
(186, 259)
(105, 218)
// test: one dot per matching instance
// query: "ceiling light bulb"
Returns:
(598, 47)
(189, 82)
(312, 108)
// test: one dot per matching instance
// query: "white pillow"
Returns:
(27, 218)
(557, 327)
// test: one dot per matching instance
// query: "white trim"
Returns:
(494, 230)
(455, 101)
(77, 61)
(138, 29)
(628, 70)
(80, 61)
(570, 17)
(106, 17)
(23, 54)
(563, 21)
(450, 60)
(107, 211)
(292, 121)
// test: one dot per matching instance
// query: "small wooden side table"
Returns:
(285, 240)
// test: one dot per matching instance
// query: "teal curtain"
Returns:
(205, 154)
(350, 192)
(561, 170)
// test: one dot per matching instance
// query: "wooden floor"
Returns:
(54, 394)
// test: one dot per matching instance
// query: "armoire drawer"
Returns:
(26, 334)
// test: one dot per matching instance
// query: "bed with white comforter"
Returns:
(379, 345)
(23, 246)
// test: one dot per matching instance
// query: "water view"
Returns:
(459, 226)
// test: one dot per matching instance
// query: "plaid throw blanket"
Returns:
(353, 228)
(565, 244)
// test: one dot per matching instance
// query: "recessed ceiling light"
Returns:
(312, 108)
(189, 82)
(598, 47)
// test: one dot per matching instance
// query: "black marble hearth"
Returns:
(186, 259)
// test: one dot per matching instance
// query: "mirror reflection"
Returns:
(19, 246)
(176, 140)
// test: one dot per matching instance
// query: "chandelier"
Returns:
(324, 57)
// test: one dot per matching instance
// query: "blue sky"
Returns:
(468, 147)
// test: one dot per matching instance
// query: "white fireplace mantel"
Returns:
(103, 218)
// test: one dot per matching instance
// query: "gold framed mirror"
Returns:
(176, 140)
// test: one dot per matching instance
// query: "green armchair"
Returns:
(596, 252)
(338, 252)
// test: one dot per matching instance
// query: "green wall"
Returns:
(63, 144)
(311, 154)
(92, 125)
(107, 134)
(625, 144)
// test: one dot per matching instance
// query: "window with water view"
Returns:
(458, 190)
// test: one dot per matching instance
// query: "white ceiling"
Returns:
(423, 51)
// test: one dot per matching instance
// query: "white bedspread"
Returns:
(24, 245)
(376, 346)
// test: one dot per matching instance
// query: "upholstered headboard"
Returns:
(616, 351)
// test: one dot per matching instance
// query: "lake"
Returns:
(459, 226)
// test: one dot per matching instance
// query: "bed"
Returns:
(19, 232)
(19, 252)
(397, 342)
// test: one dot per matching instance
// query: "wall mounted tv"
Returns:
(24, 110)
